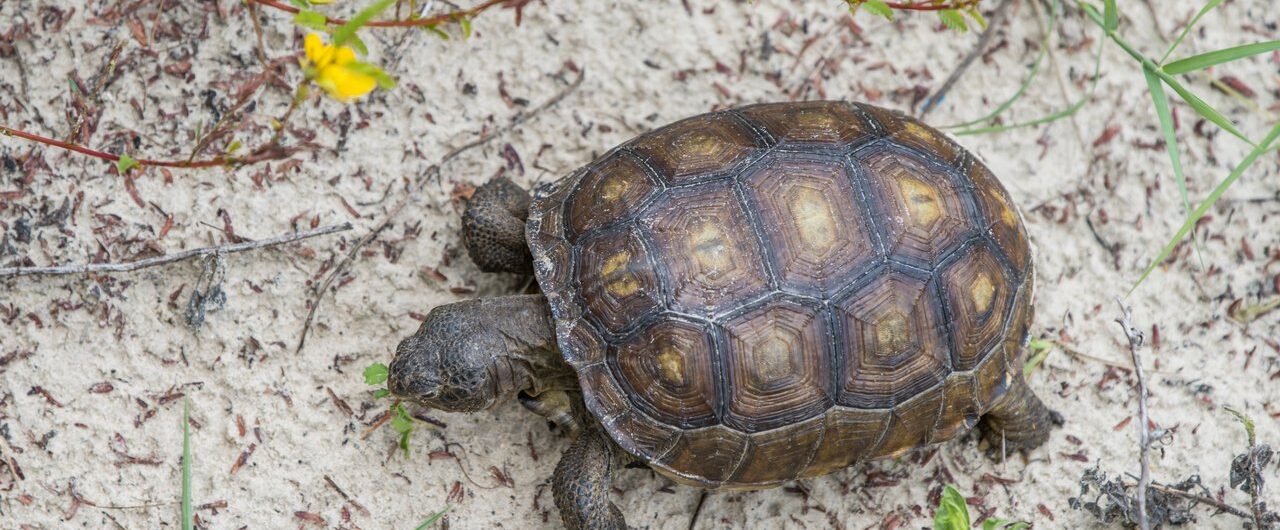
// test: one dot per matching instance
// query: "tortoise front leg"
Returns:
(493, 227)
(1018, 421)
(582, 481)
(556, 407)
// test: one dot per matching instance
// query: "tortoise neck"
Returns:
(532, 361)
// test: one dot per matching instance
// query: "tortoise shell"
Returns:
(781, 290)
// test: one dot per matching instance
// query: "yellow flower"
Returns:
(336, 69)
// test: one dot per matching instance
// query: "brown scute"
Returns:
(811, 123)
(978, 299)
(777, 365)
(893, 340)
(700, 147)
(616, 278)
(821, 239)
(711, 252)
(782, 290)
(669, 371)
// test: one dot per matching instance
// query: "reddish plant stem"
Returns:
(213, 162)
(410, 23)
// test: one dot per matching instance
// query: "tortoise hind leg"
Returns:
(493, 227)
(582, 481)
(1018, 421)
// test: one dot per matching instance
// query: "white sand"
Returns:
(646, 63)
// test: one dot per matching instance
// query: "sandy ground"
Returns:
(95, 369)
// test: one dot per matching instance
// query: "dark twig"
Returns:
(985, 40)
(1202, 499)
(1136, 339)
(98, 268)
(317, 293)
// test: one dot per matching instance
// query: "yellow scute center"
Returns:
(983, 292)
(922, 201)
(811, 214)
(618, 281)
(671, 364)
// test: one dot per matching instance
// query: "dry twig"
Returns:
(99, 268)
(431, 173)
(1136, 339)
(985, 40)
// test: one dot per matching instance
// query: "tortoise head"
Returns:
(469, 355)
(455, 362)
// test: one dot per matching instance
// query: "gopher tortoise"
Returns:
(745, 298)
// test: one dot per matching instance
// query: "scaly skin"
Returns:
(1018, 421)
(493, 227)
(582, 482)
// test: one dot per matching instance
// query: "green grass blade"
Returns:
(432, 520)
(188, 516)
(1202, 108)
(1111, 16)
(1031, 76)
(1084, 98)
(1203, 11)
(346, 31)
(1161, 101)
(1204, 206)
(1205, 60)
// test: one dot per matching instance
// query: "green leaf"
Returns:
(402, 424)
(952, 18)
(877, 7)
(952, 514)
(376, 374)
(358, 43)
(995, 523)
(435, 30)
(300, 4)
(381, 393)
(346, 31)
(1203, 11)
(1035, 360)
(1204, 206)
(1247, 422)
(126, 163)
(465, 22)
(1205, 60)
(432, 520)
(311, 20)
(1111, 16)
(188, 515)
(977, 17)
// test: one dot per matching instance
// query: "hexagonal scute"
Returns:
(819, 238)
(1000, 216)
(698, 147)
(617, 280)
(892, 340)
(776, 365)
(810, 123)
(613, 189)
(668, 370)
(779, 455)
(908, 131)
(707, 250)
(920, 210)
(979, 294)
(705, 457)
